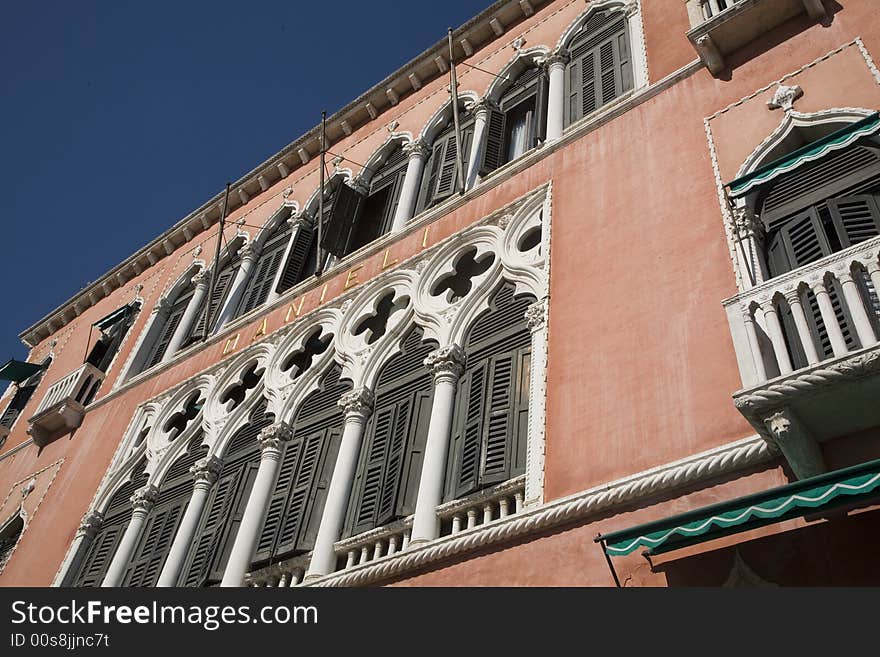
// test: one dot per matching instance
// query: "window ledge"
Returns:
(740, 24)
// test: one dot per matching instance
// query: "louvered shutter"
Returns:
(16, 406)
(306, 486)
(98, 557)
(468, 437)
(239, 498)
(448, 165)
(805, 239)
(343, 214)
(261, 280)
(298, 262)
(499, 420)
(208, 539)
(152, 549)
(164, 339)
(221, 290)
(856, 218)
(493, 153)
(433, 168)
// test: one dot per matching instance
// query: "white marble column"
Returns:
(873, 268)
(793, 298)
(536, 320)
(556, 64)
(297, 223)
(249, 254)
(777, 337)
(358, 405)
(478, 143)
(447, 364)
(417, 152)
(206, 471)
(190, 315)
(829, 318)
(82, 541)
(142, 502)
(754, 345)
(272, 440)
(856, 308)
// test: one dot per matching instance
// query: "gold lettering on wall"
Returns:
(385, 262)
(425, 237)
(261, 330)
(231, 343)
(323, 294)
(294, 310)
(352, 279)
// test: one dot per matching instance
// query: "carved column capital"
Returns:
(249, 251)
(482, 107)
(300, 220)
(746, 223)
(145, 498)
(359, 185)
(163, 305)
(417, 148)
(357, 404)
(200, 277)
(90, 525)
(554, 59)
(536, 316)
(207, 470)
(447, 363)
(274, 436)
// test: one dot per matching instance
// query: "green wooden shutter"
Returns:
(498, 423)
(221, 290)
(343, 214)
(208, 539)
(164, 339)
(447, 175)
(261, 280)
(805, 239)
(856, 218)
(154, 544)
(493, 153)
(298, 264)
(429, 183)
(98, 557)
(468, 436)
(238, 498)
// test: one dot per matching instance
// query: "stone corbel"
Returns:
(709, 53)
(798, 447)
(815, 8)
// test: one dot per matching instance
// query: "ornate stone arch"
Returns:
(285, 393)
(285, 211)
(360, 355)
(632, 9)
(377, 159)
(219, 444)
(521, 61)
(524, 248)
(340, 176)
(443, 114)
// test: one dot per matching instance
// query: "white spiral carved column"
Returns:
(417, 151)
(358, 405)
(142, 503)
(447, 364)
(272, 440)
(536, 320)
(206, 472)
(190, 315)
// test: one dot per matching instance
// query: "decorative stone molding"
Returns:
(357, 403)
(274, 436)
(699, 468)
(536, 315)
(417, 148)
(207, 470)
(90, 525)
(746, 223)
(784, 97)
(446, 362)
(799, 448)
(201, 277)
(145, 498)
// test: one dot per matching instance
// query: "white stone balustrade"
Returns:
(384, 541)
(766, 345)
(287, 573)
(77, 386)
(483, 507)
(63, 407)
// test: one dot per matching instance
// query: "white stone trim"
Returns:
(699, 468)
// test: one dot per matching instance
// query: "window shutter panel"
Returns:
(495, 461)
(16, 406)
(589, 86)
(624, 61)
(777, 256)
(261, 280)
(224, 281)
(297, 262)
(153, 548)
(303, 491)
(539, 127)
(164, 339)
(412, 468)
(856, 218)
(805, 239)
(446, 177)
(217, 510)
(240, 498)
(493, 153)
(100, 553)
(469, 439)
(429, 183)
(343, 214)
(371, 474)
(275, 511)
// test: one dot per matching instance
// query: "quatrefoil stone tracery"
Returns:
(178, 422)
(249, 380)
(376, 324)
(465, 268)
(301, 360)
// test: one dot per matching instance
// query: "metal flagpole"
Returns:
(319, 250)
(214, 269)
(453, 90)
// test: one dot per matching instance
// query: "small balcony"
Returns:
(807, 344)
(63, 407)
(721, 27)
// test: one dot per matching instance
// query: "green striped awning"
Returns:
(823, 492)
(812, 151)
(18, 371)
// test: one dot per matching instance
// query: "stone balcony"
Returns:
(721, 27)
(808, 382)
(63, 407)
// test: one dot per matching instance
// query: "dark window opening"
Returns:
(440, 177)
(23, 393)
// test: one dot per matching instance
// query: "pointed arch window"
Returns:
(492, 402)
(387, 478)
(600, 68)
(265, 270)
(520, 122)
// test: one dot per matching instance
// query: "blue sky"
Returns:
(119, 118)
